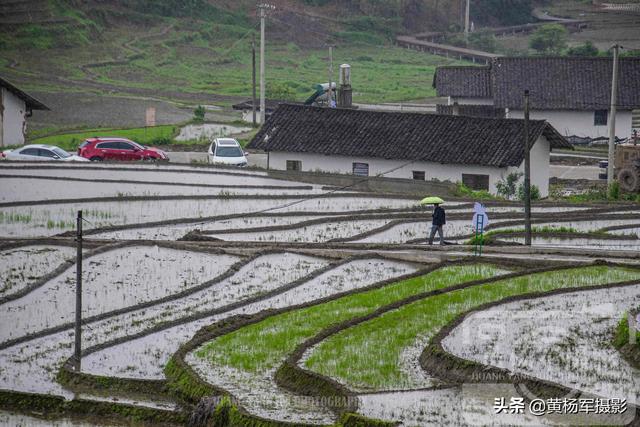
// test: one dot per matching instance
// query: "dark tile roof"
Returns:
(463, 81)
(555, 83)
(565, 83)
(486, 111)
(404, 136)
(30, 101)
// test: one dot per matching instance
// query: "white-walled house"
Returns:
(479, 152)
(15, 107)
(571, 93)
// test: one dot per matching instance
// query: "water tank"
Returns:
(345, 75)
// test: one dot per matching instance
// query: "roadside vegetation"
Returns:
(163, 135)
(155, 135)
(368, 355)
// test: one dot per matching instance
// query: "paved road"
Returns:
(187, 157)
(254, 159)
(581, 156)
(574, 172)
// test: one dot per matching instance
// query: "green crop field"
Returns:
(271, 339)
(368, 355)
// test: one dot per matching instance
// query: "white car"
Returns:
(40, 152)
(227, 151)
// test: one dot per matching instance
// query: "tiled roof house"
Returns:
(15, 107)
(571, 93)
(477, 151)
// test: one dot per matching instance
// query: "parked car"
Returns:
(227, 151)
(99, 149)
(40, 152)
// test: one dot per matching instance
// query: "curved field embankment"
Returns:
(306, 382)
(383, 290)
(437, 361)
(369, 356)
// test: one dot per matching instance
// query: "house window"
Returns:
(294, 165)
(361, 169)
(419, 175)
(600, 117)
(476, 182)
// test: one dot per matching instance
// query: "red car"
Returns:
(99, 149)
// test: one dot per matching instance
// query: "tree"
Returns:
(587, 49)
(506, 187)
(549, 39)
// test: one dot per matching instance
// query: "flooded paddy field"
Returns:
(49, 219)
(299, 303)
(559, 337)
(31, 189)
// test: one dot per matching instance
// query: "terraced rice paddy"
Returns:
(300, 303)
(372, 355)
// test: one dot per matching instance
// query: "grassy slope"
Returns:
(263, 345)
(179, 55)
(368, 355)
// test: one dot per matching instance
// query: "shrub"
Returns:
(587, 49)
(464, 191)
(614, 191)
(534, 192)
(198, 114)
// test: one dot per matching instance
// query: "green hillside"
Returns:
(145, 47)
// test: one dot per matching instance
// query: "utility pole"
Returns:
(466, 19)
(329, 93)
(77, 354)
(253, 66)
(527, 173)
(612, 118)
(263, 14)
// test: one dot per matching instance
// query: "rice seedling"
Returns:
(261, 346)
(368, 355)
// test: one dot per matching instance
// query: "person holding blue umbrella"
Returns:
(438, 217)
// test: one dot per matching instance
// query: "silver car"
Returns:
(227, 151)
(40, 152)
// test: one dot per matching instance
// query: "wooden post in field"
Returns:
(633, 327)
(77, 354)
(612, 119)
(527, 173)
(253, 64)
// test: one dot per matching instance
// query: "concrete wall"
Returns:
(539, 166)
(344, 165)
(578, 123)
(13, 119)
(433, 171)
